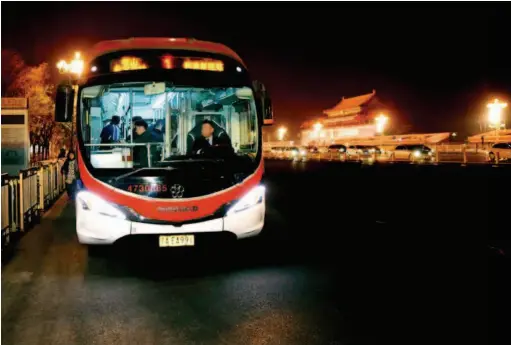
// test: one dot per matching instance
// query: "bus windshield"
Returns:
(134, 125)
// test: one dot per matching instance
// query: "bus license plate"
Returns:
(177, 241)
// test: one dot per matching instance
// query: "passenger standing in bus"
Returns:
(144, 136)
(111, 133)
(133, 133)
(70, 172)
(157, 131)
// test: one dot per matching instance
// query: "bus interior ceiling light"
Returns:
(252, 198)
(92, 202)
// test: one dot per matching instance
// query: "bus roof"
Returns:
(105, 47)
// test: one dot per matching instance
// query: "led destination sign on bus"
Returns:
(128, 63)
(132, 63)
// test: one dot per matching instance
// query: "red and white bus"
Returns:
(162, 188)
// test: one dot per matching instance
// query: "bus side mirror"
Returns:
(64, 103)
(265, 103)
(267, 112)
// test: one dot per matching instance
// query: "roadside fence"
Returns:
(27, 196)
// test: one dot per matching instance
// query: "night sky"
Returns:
(436, 63)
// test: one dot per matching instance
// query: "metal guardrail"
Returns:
(26, 196)
(464, 157)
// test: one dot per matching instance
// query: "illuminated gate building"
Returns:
(351, 118)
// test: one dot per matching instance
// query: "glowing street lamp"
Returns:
(495, 112)
(76, 66)
(281, 132)
(495, 115)
(381, 122)
(317, 130)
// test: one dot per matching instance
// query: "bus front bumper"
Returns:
(97, 229)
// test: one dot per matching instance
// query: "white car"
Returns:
(502, 150)
(413, 153)
(297, 153)
(362, 152)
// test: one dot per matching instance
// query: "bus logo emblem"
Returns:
(177, 191)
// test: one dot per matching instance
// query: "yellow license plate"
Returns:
(177, 241)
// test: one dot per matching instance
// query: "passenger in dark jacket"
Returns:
(140, 156)
(157, 131)
(70, 171)
(133, 133)
(111, 133)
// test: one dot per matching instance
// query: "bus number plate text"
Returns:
(177, 241)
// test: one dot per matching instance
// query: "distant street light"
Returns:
(381, 122)
(76, 66)
(317, 130)
(495, 115)
(281, 133)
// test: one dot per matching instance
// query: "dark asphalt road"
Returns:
(350, 255)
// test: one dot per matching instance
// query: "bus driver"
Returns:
(209, 139)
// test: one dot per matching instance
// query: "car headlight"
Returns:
(91, 202)
(294, 153)
(252, 198)
(430, 153)
(417, 153)
(303, 153)
(342, 150)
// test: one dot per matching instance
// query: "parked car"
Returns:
(337, 148)
(312, 149)
(502, 150)
(362, 152)
(414, 153)
(297, 153)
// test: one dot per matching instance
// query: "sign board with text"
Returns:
(15, 135)
(14, 103)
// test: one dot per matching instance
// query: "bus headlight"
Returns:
(252, 198)
(91, 202)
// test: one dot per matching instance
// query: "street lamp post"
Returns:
(72, 69)
(317, 130)
(281, 133)
(381, 122)
(495, 115)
